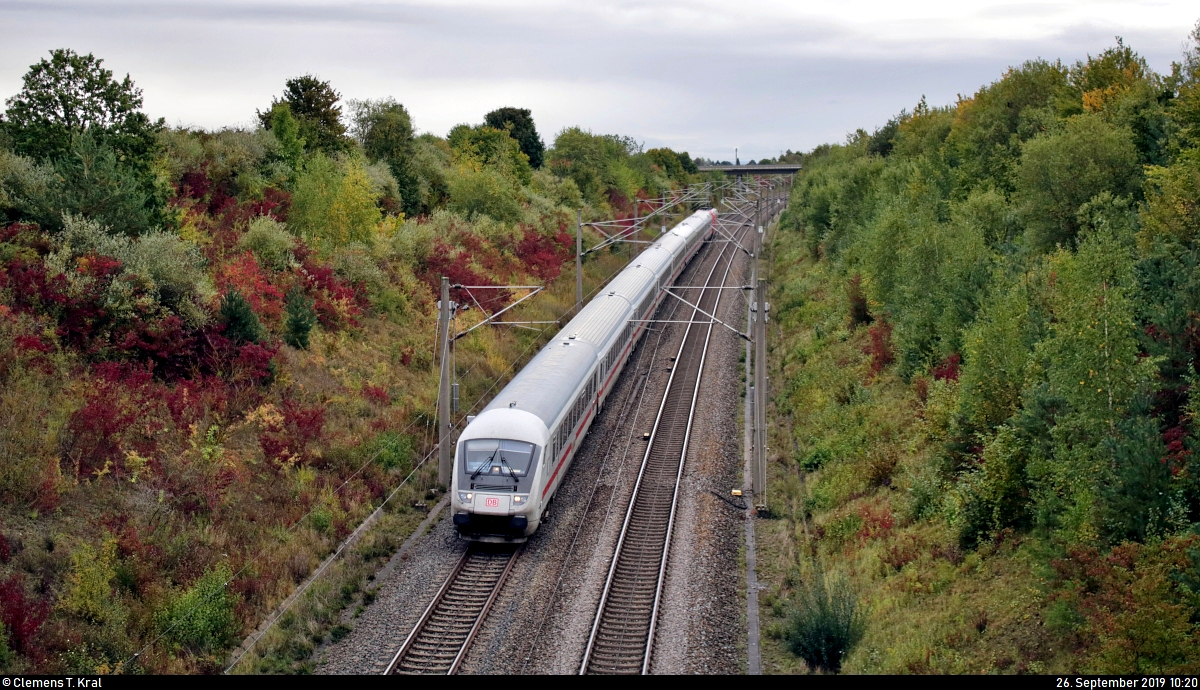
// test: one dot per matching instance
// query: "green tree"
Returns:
(1185, 111)
(301, 317)
(1121, 87)
(241, 323)
(287, 132)
(384, 129)
(519, 124)
(486, 192)
(596, 162)
(1172, 211)
(91, 182)
(334, 204)
(985, 139)
(70, 94)
(314, 105)
(689, 165)
(1060, 171)
(668, 161)
(484, 146)
(1091, 362)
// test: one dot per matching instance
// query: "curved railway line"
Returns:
(622, 636)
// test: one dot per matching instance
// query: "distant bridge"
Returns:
(739, 170)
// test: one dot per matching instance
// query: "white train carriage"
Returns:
(511, 458)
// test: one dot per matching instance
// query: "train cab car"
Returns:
(496, 469)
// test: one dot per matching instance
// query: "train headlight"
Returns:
(518, 500)
(465, 496)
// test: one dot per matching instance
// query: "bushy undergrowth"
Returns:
(216, 352)
(985, 402)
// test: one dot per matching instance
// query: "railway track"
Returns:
(622, 636)
(441, 638)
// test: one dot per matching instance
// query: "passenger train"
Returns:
(511, 458)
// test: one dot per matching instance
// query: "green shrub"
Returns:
(170, 268)
(338, 632)
(29, 437)
(826, 623)
(393, 450)
(270, 242)
(358, 267)
(320, 519)
(203, 619)
(334, 204)
(301, 317)
(89, 592)
(483, 192)
(241, 323)
(7, 656)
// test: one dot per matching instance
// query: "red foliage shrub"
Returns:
(541, 255)
(189, 401)
(22, 617)
(305, 423)
(901, 553)
(880, 347)
(28, 235)
(301, 425)
(166, 342)
(1178, 453)
(275, 203)
(1129, 600)
(877, 522)
(376, 394)
(247, 277)
(194, 184)
(949, 368)
(118, 414)
(253, 362)
(32, 343)
(33, 289)
(336, 303)
(447, 261)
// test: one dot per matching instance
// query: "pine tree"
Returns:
(301, 317)
(241, 324)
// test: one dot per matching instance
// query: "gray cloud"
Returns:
(704, 78)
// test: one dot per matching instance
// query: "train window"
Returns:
(498, 457)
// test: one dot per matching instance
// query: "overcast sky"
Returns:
(695, 75)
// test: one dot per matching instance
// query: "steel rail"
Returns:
(439, 641)
(622, 635)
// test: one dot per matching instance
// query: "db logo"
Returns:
(491, 502)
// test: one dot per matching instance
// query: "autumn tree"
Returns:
(384, 129)
(314, 104)
(70, 94)
(519, 123)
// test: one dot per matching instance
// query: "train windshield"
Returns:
(498, 458)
